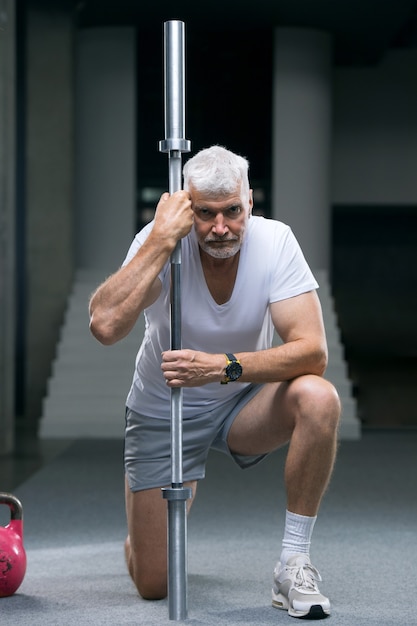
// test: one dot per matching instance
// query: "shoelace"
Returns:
(305, 576)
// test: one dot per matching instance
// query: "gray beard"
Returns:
(222, 253)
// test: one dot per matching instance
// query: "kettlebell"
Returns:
(12, 551)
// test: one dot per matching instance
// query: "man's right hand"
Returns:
(173, 217)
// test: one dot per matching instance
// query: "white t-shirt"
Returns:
(272, 267)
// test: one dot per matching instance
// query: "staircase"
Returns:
(337, 370)
(89, 382)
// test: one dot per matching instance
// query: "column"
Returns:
(105, 147)
(302, 139)
(48, 189)
(7, 248)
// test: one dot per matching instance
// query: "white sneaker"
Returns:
(295, 589)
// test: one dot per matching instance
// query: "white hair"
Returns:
(217, 171)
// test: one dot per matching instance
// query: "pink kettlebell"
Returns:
(12, 552)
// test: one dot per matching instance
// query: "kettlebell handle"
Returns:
(15, 506)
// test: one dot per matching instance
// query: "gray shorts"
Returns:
(147, 454)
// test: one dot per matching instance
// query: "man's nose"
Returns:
(220, 227)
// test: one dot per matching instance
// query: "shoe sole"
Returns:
(316, 611)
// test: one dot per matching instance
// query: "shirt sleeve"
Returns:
(138, 241)
(291, 275)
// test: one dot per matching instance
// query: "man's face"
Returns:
(220, 223)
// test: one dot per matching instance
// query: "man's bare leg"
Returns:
(304, 412)
(313, 446)
(146, 544)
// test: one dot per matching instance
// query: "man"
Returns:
(242, 276)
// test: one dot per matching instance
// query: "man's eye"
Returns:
(204, 214)
(234, 210)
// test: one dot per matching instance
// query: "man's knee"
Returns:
(150, 582)
(151, 586)
(317, 401)
(146, 545)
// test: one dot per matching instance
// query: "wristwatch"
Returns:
(233, 369)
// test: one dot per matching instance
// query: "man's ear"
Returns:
(250, 202)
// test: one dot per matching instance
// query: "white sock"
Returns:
(297, 535)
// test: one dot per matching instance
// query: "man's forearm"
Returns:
(118, 302)
(191, 368)
(284, 362)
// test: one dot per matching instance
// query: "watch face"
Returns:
(233, 371)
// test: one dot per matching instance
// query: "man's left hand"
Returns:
(189, 368)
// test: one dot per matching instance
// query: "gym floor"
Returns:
(31, 455)
(75, 529)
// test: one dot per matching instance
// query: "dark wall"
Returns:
(375, 289)
(228, 96)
